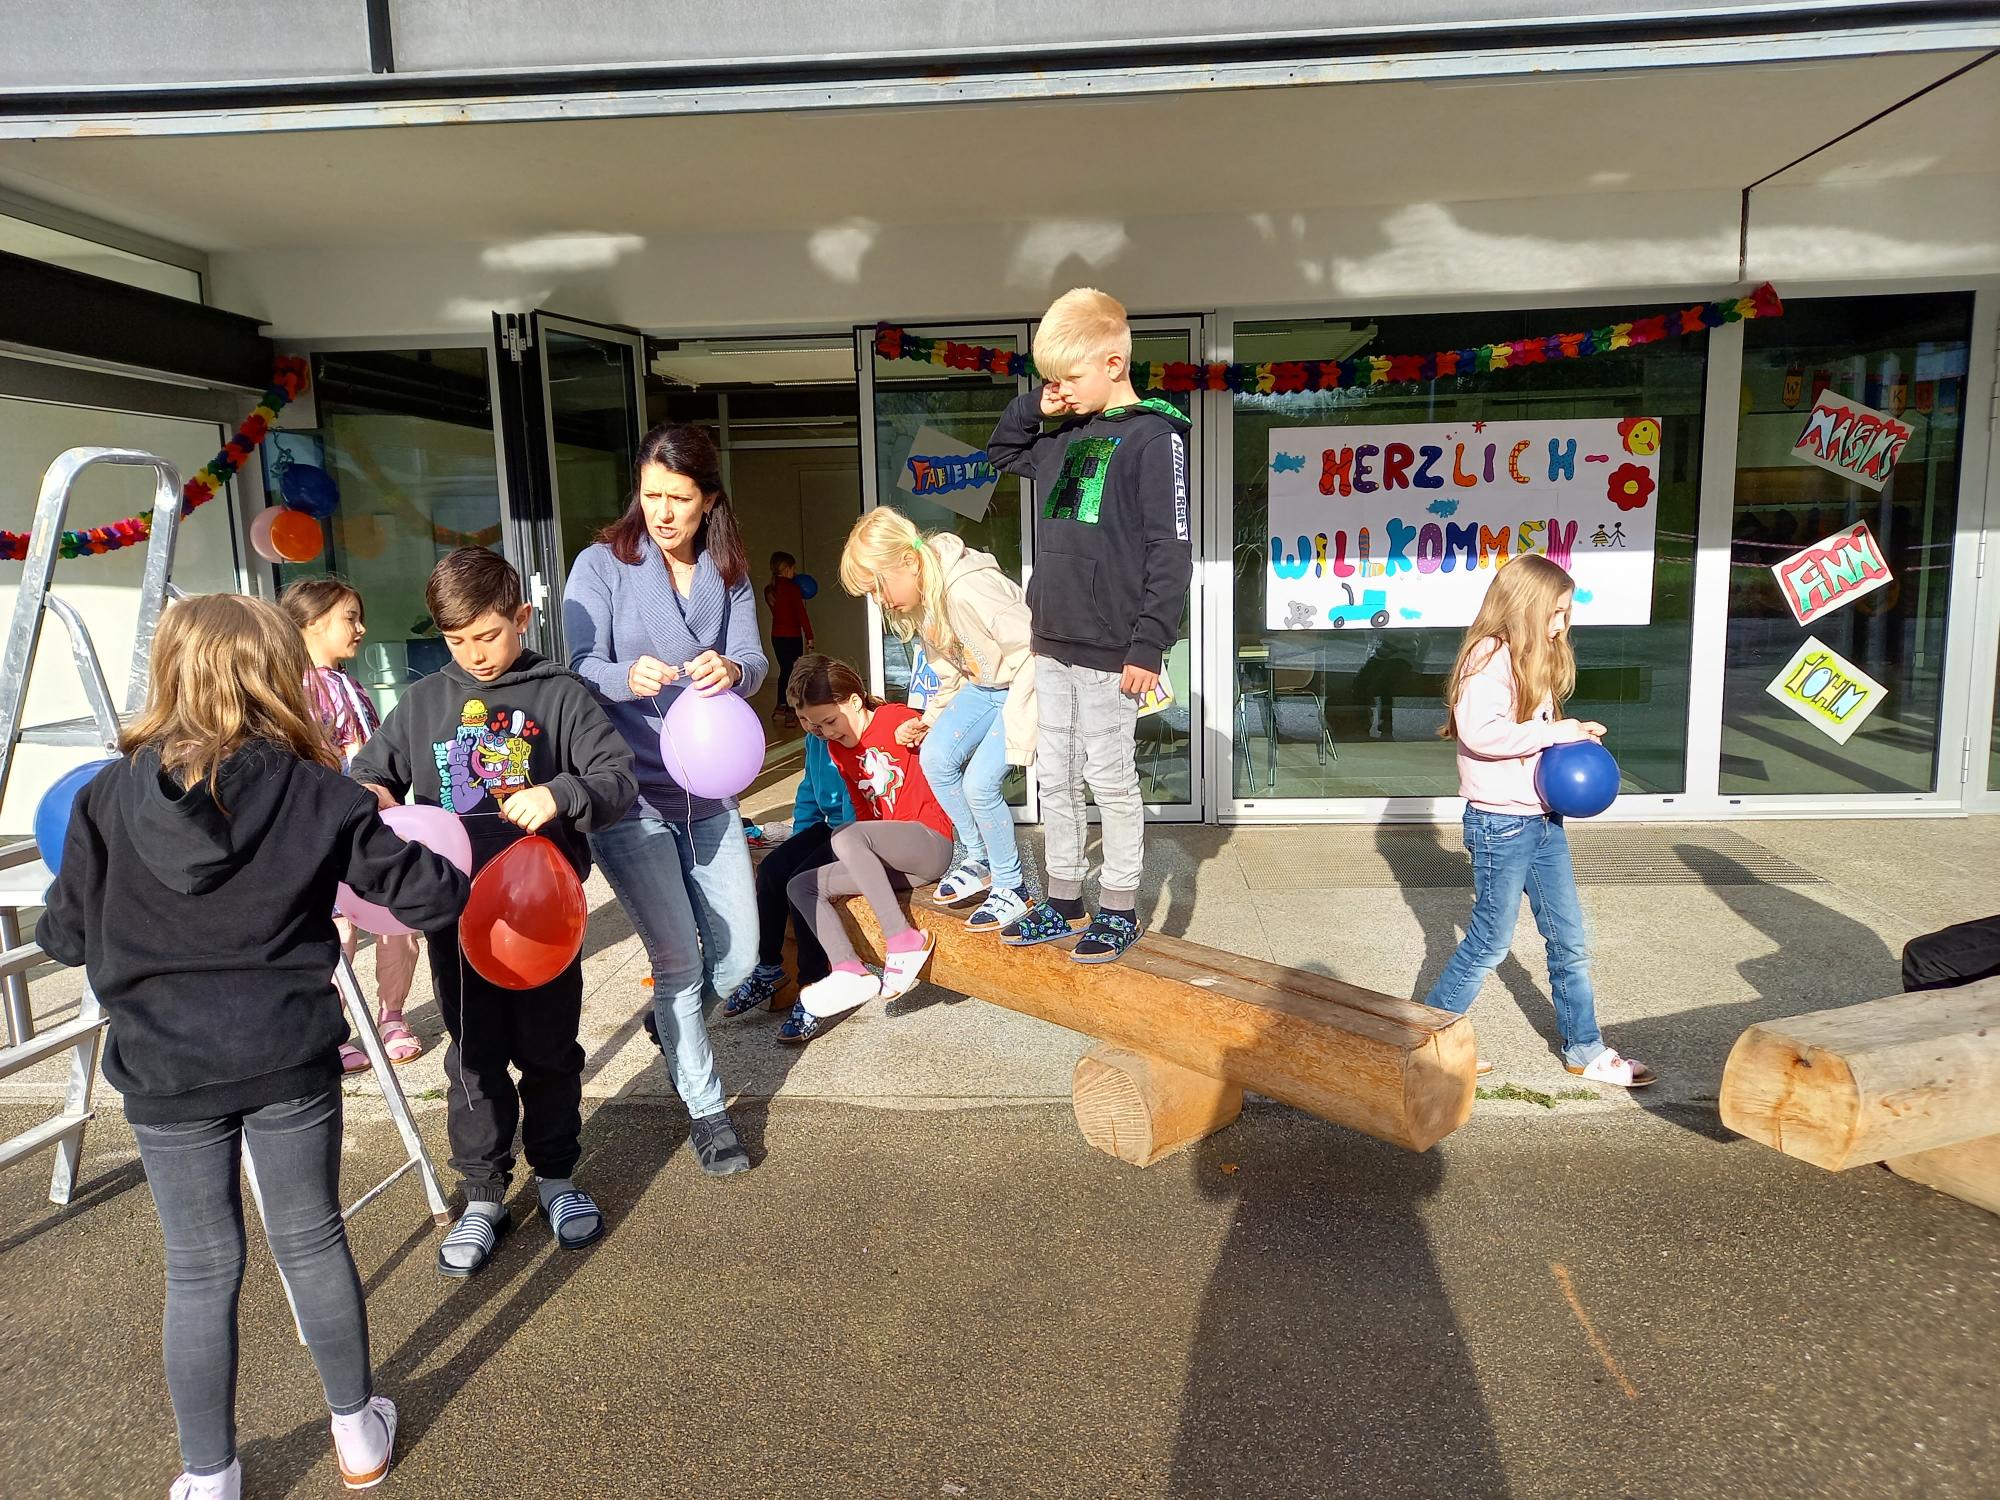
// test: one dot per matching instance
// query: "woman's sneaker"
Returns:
(755, 992)
(966, 883)
(841, 991)
(1000, 909)
(717, 1146)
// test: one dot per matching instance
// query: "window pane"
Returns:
(408, 436)
(1901, 355)
(1354, 712)
(53, 247)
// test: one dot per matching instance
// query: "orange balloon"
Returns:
(296, 536)
(523, 923)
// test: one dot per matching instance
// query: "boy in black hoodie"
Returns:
(514, 744)
(1113, 557)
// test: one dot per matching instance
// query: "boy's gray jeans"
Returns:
(1086, 738)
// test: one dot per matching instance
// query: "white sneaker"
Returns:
(356, 1471)
(839, 993)
(228, 1485)
(901, 971)
(1620, 1072)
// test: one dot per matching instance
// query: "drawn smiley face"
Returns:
(1641, 435)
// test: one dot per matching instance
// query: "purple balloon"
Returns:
(713, 746)
(434, 828)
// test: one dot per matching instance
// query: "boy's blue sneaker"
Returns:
(755, 992)
(1106, 940)
(1040, 923)
(801, 1026)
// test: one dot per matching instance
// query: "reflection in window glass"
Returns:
(407, 435)
(1905, 356)
(1354, 712)
(53, 247)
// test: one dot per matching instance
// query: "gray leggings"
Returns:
(873, 861)
(192, 1167)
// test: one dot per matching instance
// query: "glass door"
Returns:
(573, 399)
(914, 414)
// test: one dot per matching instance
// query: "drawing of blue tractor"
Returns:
(1374, 608)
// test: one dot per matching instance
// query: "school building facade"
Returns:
(1437, 282)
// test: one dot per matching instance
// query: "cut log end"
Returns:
(1140, 1108)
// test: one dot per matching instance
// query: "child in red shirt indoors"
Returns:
(791, 627)
(900, 837)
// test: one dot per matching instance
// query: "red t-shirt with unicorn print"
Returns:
(885, 779)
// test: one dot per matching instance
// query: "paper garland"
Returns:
(1294, 376)
(288, 379)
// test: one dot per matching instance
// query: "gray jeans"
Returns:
(193, 1168)
(1087, 729)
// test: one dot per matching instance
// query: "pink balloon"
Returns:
(263, 546)
(713, 746)
(438, 831)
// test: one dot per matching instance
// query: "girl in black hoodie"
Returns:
(197, 889)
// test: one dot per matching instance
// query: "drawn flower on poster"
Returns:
(1641, 435)
(1630, 487)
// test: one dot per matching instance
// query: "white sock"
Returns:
(362, 1439)
(227, 1485)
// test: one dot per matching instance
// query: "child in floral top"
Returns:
(329, 615)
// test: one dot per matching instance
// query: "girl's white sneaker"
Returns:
(838, 993)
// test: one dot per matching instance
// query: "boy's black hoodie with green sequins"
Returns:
(1113, 534)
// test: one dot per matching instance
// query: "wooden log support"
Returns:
(1861, 1084)
(1140, 1108)
(1391, 1068)
(1913, 1081)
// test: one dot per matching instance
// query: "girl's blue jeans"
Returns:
(965, 760)
(1512, 853)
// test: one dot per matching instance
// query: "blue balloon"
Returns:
(1578, 780)
(808, 585)
(311, 489)
(52, 812)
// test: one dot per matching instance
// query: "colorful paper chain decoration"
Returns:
(1291, 377)
(287, 381)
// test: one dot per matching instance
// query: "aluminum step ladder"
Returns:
(24, 877)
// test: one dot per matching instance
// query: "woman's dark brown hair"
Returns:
(820, 680)
(682, 448)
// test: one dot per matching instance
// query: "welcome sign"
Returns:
(1402, 526)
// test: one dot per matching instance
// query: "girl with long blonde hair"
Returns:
(196, 889)
(1514, 670)
(978, 710)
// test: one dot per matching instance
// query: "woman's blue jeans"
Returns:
(1513, 853)
(690, 894)
(965, 761)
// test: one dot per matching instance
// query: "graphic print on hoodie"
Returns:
(467, 746)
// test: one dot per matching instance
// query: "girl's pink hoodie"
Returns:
(1497, 753)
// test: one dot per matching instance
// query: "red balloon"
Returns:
(523, 923)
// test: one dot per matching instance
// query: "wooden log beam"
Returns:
(1969, 1170)
(1891, 1078)
(1393, 1069)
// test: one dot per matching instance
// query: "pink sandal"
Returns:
(398, 1040)
(352, 1059)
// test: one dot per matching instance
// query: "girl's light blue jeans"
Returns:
(692, 898)
(1511, 854)
(965, 760)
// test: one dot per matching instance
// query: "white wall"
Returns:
(859, 271)
(104, 589)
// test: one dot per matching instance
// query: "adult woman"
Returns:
(660, 605)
